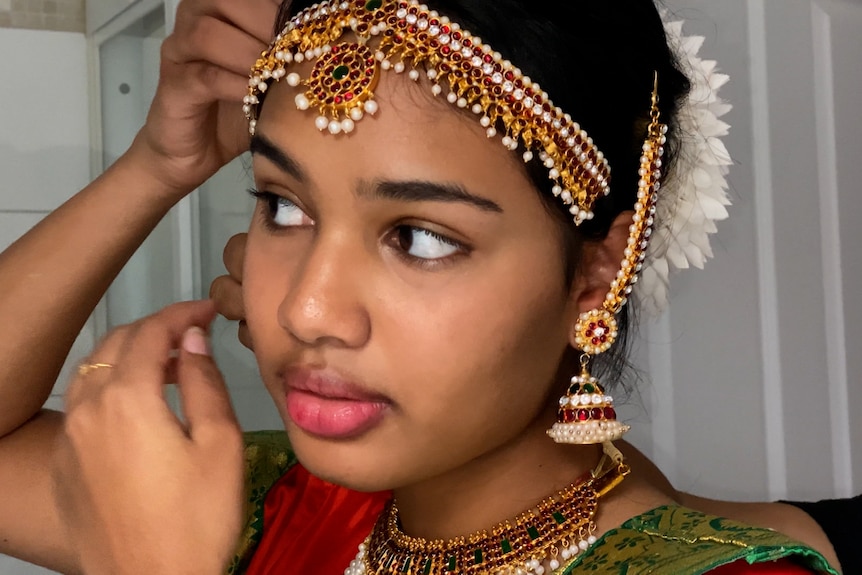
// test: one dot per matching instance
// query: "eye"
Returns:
(423, 244)
(280, 211)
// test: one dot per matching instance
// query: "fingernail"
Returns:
(196, 341)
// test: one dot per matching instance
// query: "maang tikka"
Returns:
(586, 414)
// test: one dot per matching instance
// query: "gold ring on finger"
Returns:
(88, 368)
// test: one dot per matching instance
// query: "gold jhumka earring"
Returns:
(586, 414)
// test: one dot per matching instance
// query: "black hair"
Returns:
(597, 61)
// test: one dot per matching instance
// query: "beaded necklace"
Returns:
(544, 537)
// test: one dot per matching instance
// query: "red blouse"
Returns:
(314, 527)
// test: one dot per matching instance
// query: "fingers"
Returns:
(208, 39)
(226, 292)
(254, 17)
(205, 399)
(140, 355)
(244, 335)
(146, 355)
(234, 255)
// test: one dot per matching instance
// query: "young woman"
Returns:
(425, 304)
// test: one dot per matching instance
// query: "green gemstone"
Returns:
(406, 567)
(372, 5)
(451, 565)
(427, 569)
(589, 388)
(340, 72)
(532, 532)
(506, 546)
(477, 557)
(558, 517)
(389, 561)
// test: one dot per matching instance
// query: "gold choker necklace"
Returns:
(540, 539)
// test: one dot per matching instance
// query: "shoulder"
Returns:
(268, 456)
(673, 539)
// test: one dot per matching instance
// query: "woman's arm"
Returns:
(52, 278)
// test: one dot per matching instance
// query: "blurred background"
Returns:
(751, 378)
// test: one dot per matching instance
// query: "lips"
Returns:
(322, 403)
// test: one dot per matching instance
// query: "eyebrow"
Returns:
(260, 145)
(423, 191)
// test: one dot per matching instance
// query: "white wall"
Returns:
(44, 146)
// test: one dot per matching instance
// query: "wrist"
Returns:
(154, 173)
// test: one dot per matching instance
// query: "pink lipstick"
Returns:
(321, 403)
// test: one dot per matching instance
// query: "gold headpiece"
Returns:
(403, 35)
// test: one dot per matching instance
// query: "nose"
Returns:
(324, 303)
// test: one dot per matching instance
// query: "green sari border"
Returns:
(674, 539)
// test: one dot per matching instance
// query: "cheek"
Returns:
(484, 355)
(266, 281)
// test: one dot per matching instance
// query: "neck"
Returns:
(495, 487)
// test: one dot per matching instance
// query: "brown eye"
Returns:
(423, 244)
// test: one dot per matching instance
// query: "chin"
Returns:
(352, 463)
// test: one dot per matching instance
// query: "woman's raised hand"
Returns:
(195, 124)
(226, 290)
(139, 490)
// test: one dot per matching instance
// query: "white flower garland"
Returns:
(694, 196)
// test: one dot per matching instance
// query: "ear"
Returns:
(600, 262)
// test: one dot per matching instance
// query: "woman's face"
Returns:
(404, 289)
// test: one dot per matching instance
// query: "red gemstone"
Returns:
(588, 333)
(488, 58)
(610, 413)
(596, 413)
(456, 35)
(334, 50)
(348, 96)
(468, 43)
(595, 341)
(592, 325)
(602, 323)
(338, 99)
(583, 414)
(604, 339)
(446, 50)
(445, 29)
(567, 416)
(510, 75)
(434, 22)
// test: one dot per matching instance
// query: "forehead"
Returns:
(413, 134)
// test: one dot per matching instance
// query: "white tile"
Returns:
(10, 566)
(44, 140)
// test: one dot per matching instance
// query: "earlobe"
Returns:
(600, 264)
